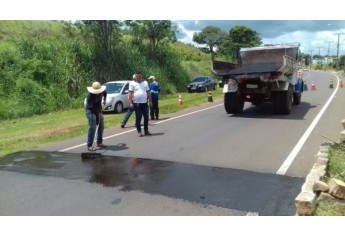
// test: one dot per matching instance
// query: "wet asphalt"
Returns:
(244, 191)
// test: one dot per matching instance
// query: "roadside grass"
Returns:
(28, 133)
(326, 208)
(336, 169)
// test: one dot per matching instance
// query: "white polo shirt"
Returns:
(139, 91)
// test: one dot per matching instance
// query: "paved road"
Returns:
(201, 161)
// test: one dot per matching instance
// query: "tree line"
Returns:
(46, 66)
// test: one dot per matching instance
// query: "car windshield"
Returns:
(200, 79)
(114, 87)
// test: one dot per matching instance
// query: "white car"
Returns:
(117, 95)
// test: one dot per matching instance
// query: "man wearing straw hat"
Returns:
(94, 114)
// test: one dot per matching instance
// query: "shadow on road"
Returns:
(265, 111)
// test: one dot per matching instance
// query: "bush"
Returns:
(29, 99)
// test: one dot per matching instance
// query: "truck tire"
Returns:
(297, 98)
(233, 103)
(282, 101)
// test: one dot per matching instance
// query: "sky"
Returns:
(316, 26)
(315, 36)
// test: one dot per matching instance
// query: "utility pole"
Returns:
(318, 59)
(319, 51)
(338, 50)
(311, 58)
(329, 45)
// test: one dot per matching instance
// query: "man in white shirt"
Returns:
(139, 95)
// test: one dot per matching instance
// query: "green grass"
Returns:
(336, 155)
(336, 162)
(326, 208)
(28, 133)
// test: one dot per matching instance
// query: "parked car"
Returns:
(117, 96)
(214, 82)
(202, 84)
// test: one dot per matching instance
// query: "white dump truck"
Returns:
(263, 74)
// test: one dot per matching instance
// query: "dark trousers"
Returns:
(154, 110)
(141, 110)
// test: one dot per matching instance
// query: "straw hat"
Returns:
(96, 88)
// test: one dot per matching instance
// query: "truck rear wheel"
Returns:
(233, 103)
(282, 101)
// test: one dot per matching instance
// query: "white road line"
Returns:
(128, 131)
(291, 157)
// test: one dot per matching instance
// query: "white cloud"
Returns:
(313, 36)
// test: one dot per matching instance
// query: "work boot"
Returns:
(101, 145)
(147, 133)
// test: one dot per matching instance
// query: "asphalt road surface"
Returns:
(201, 161)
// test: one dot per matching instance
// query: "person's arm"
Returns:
(149, 98)
(130, 99)
(104, 97)
(89, 103)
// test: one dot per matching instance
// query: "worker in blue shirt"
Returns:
(154, 90)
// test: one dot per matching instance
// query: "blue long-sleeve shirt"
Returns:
(154, 90)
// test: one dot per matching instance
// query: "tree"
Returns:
(239, 37)
(342, 62)
(104, 33)
(211, 36)
(305, 58)
(153, 30)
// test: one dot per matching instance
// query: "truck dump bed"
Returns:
(264, 59)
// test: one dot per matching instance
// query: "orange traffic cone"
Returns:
(340, 83)
(313, 87)
(179, 100)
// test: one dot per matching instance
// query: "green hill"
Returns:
(45, 66)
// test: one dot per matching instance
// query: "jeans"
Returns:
(141, 109)
(92, 128)
(128, 114)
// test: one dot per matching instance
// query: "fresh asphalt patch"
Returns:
(261, 193)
